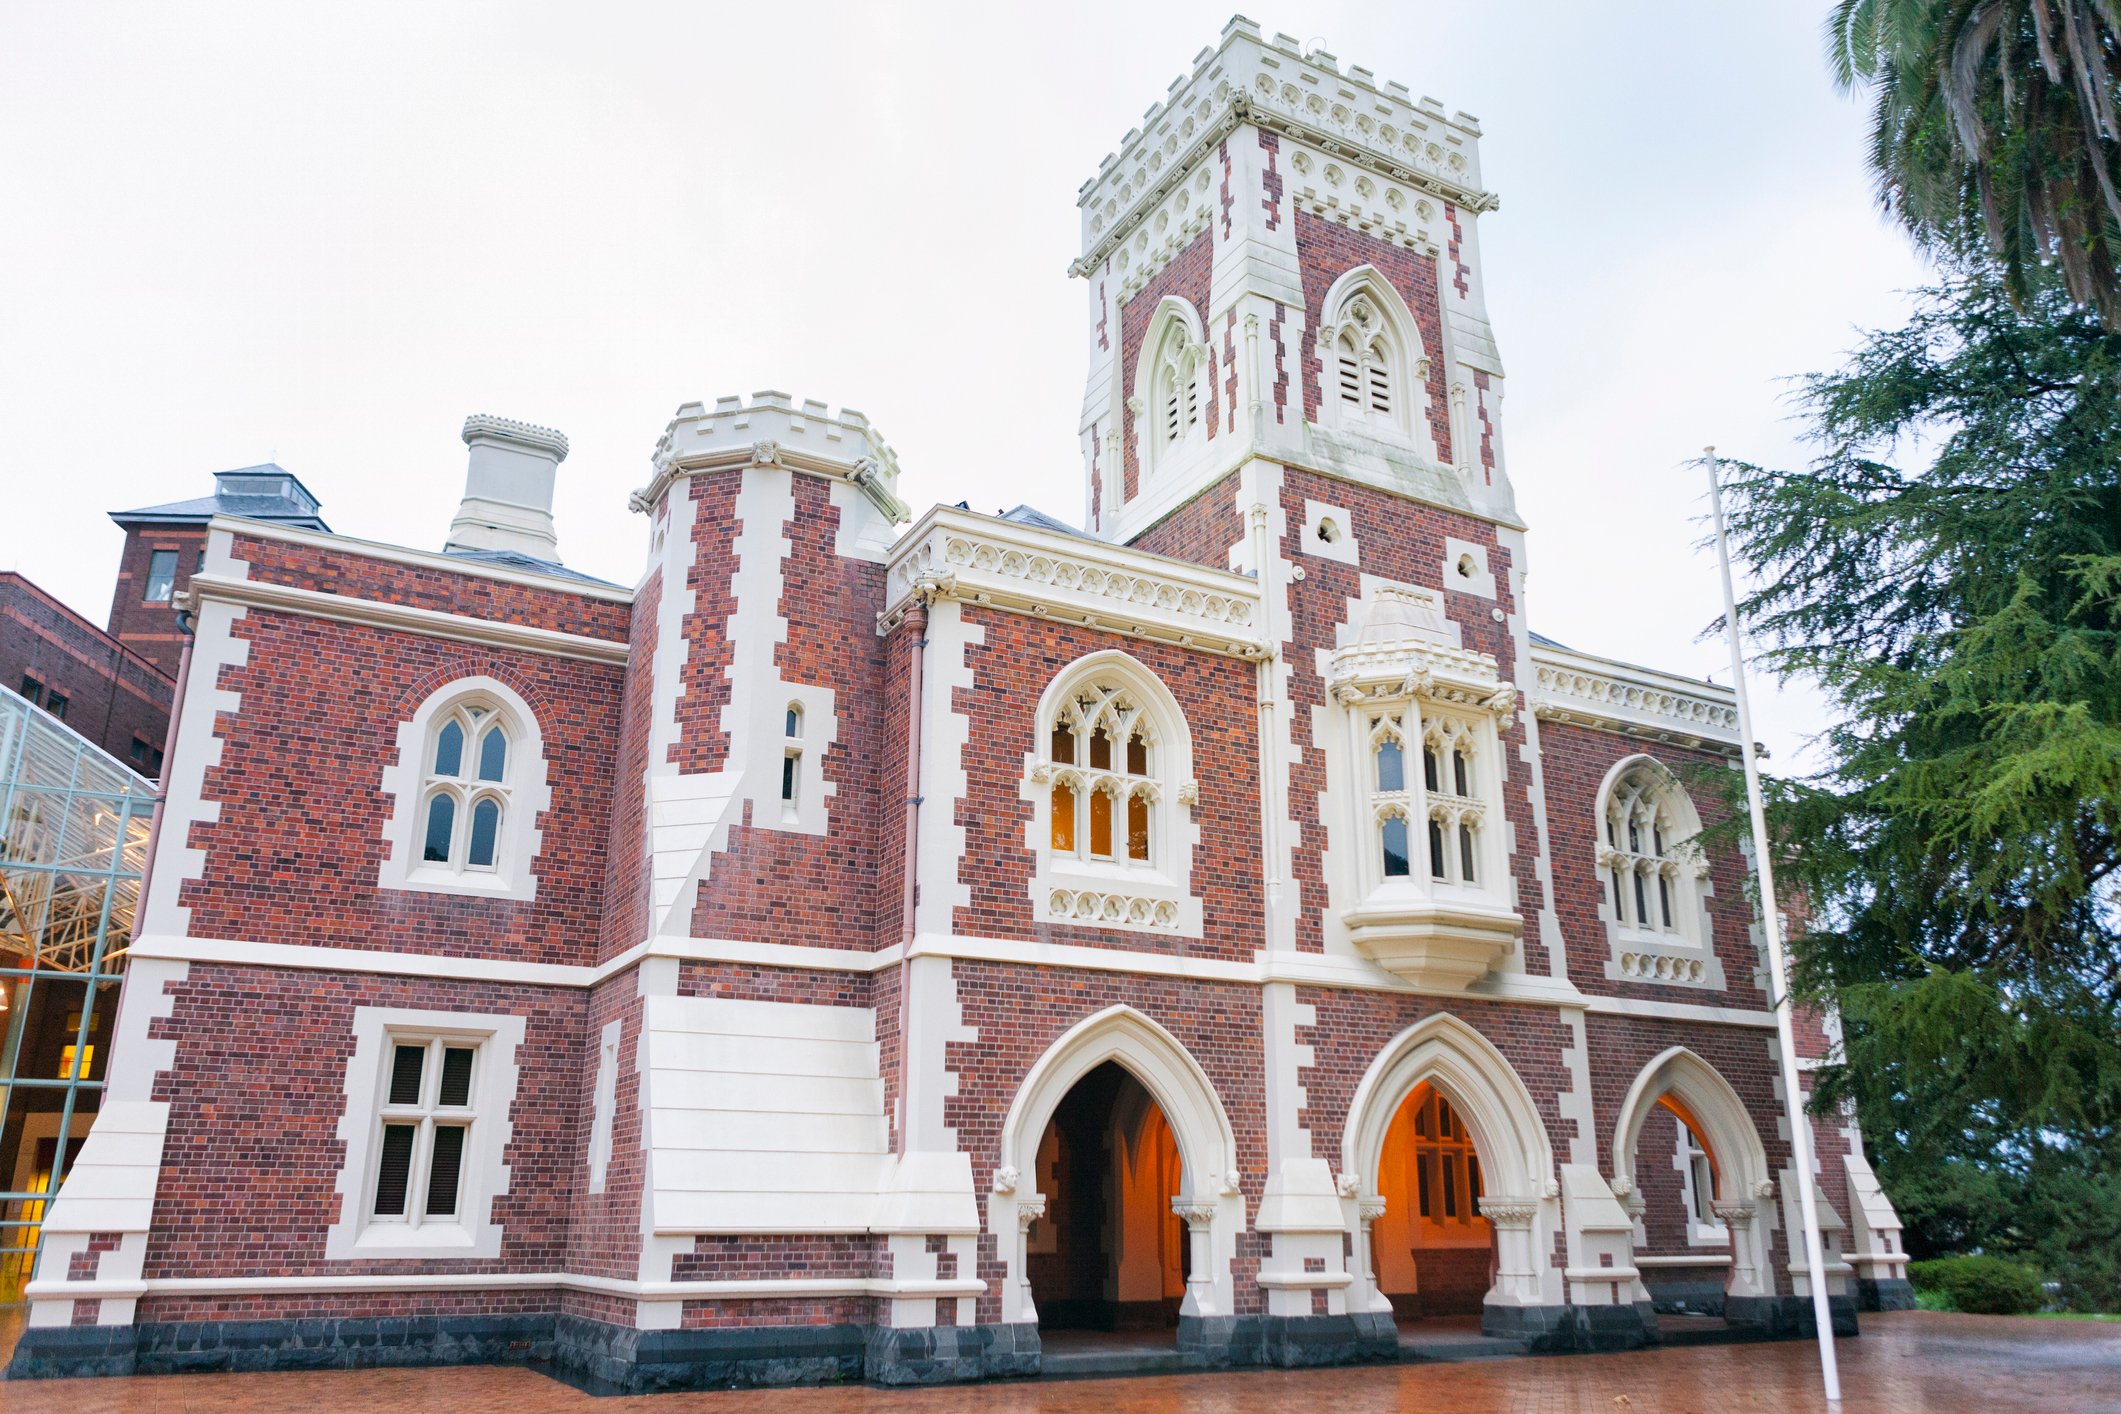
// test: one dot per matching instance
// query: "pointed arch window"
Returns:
(1647, 856)
(1372, 370)
(468, 784)
(1363, 361)
(1653, 878)
(466, 789)
(1171, 387)
(1105, 786)
(1110, 777)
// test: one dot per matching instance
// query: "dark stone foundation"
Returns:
(1885, 1294)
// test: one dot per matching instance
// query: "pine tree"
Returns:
(1949, 570)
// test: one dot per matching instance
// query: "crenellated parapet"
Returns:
(772, 429)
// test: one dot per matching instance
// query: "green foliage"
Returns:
(1994, 124)
(1949, 570)
(1981, 1286)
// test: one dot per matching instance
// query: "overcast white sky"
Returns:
(322, 234)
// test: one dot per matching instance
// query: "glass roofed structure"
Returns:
(73, 838)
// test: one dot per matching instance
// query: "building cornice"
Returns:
(1003, 564)
(431, 623)
(1580, 690)
(418, 559)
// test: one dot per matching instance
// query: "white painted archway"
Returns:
(1499, 1113)
(1211, 1202)
(1745, 1186)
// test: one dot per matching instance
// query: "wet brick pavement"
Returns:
(1912, 1360)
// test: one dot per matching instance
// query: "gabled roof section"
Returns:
(266, 492)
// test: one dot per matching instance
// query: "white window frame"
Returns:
(410, 782)
(1151, 895)
(484, 1172)
(1453, 730)
(1666, 851)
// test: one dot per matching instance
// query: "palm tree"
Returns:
(1995, 123)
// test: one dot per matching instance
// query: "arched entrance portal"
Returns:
(1434, 1252)
(1112, 1129)
(1109, 1254)
(1440, 1100)
(1689, 1165)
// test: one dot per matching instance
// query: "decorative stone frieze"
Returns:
(1003, 564)
(1638, 702)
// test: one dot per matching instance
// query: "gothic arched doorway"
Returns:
(1108, 1253)
(1434, 1252)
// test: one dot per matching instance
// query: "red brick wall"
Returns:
(1574, 762)
(1186, 278)
(777, 886)
(1019, 658)
(628, 885)
(445, 591)
(294, 857)
(702, 745)
(150, 628)
(604, 1229)
(113, 694)
(257, 1092)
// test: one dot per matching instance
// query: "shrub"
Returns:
(1986, 1286)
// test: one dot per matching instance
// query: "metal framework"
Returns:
(73, 838)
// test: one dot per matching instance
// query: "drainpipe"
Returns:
(917, 621)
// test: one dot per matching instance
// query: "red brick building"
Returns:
(85, 677)
(861, 949)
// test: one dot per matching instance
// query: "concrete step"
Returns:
(1096, 1362)
(1455, 1347)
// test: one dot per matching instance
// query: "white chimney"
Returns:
(508, 488)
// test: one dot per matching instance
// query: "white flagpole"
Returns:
(1778, 972)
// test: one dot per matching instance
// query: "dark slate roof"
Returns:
(1543, 641)
(266, 492)
(1030, 515)
(517, 560)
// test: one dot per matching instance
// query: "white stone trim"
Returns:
(1308, 970)
(197, 748)
(485, 1173)
(404, 618)
(1342, 546)
(529, 795)
(1732, 1142)
(1407, 421)
(1685, 955)
(1465, 568)
(604, 1103)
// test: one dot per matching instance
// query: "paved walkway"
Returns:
(1912, 1360)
